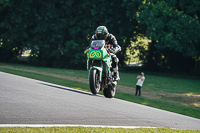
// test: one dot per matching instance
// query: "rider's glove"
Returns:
(115, 50)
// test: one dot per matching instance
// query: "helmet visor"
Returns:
(100, 36)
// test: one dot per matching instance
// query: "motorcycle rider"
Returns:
(102, 33)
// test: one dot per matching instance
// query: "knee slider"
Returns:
(115, 69)
(116, 60)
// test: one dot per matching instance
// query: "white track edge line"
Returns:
(69, 125)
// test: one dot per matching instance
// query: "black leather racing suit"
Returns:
(113, 42)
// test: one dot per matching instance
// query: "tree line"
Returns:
(58, 31)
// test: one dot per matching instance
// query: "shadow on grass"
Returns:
(71, 89)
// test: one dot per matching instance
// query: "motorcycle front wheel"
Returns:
(94, 81)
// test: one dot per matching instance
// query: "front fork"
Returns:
(88, 64)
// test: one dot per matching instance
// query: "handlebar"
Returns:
(112, 50)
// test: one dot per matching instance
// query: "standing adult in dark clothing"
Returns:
(139, 83)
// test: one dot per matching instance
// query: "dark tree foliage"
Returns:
(58, 31)
(174, 24)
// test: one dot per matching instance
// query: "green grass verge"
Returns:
(160, 104)
(92, 130)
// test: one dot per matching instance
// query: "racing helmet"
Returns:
(101, 33)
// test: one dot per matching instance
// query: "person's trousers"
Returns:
(138, 89)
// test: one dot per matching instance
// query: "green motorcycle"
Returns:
(100, 66)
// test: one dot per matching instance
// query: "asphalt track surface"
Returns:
(28, 101)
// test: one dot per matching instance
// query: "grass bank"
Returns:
(171, 93)
(92, 130)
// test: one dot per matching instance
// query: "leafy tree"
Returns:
(173, 24)
(10, 32)
(51, 30)
(58, 31)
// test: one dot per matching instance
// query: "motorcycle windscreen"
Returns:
(97, 50)
(97, 44)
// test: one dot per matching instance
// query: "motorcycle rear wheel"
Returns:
(109, 92)
(94, 81)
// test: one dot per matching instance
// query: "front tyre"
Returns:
(94, 81)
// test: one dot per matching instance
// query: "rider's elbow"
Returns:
(118, 49)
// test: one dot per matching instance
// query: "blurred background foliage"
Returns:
(160, 34)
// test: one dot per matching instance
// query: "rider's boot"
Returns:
(116, 74)
(117, 78)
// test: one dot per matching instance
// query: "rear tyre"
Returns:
(94, 81)
(109, 92)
